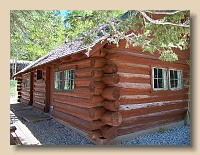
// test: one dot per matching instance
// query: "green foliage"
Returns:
(136, 27)
(13, 89)
(34, 33)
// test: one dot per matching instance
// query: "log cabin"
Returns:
(108, 91)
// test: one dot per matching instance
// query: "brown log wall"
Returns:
(113, 94)
(83, 108)
(24, 95)
(132, 95)
(39, 90)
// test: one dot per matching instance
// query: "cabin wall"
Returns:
(39, 90)
(140, 106)
(81, 107)
(23, 92)
(84, 108)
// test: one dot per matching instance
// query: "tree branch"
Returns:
(163, 13)
(161, 23)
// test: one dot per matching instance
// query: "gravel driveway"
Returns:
(52, 132)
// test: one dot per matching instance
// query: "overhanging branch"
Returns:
(161, 23)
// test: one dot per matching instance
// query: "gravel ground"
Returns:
(52, 132)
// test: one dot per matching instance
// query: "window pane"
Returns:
(155, 73)
(172, 83)
(175, 75)
(72, 73)
(72, 84)
(176, 83)
(155, 83)
(160, 83)
(160, 73)
(171, 74)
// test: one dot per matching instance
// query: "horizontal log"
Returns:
(153, 117)
(97, 73)
(185, 53)
(96, 99)
(83, 72)
(111, 105)
(112, 118)
(110, 68)
(25, 93)
(95, 134)
(139, 99)
(170, 92)
(129, 57)
(96, 124)
(42, 102)
(109, 132)
(111, 93)
(76, 56)
(134, 78)
(147, 108)
(39, 85)
(72, 120)
(39, 94)
(38, 106)
(82, 92)
(182, 54)
(83, 81)
(85, 63)
(139, 127)
(100, 53)
(39, 89)
(83, 113)
(37, 82)
(96, 112)
(133, 88)
(23, 100)
(96, 87)
(19, 89)
(26, 96)
(99, 62)
(93, 101)
(27, 90)
(132, 67)
(79, 102)
(39, 99)
(110, 79)
(97, 84)
(78, 122)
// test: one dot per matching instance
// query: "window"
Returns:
(69, 79)
(27, 83)
(175, 81)
(39, 74)
(64, 80)
(58, 80)
(159, 78)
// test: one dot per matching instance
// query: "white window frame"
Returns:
(179, 79)
(164, 78)
(66, 80)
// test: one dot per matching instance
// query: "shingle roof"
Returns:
(68, 48)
